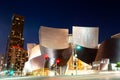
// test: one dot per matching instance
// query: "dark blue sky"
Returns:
(59, 13)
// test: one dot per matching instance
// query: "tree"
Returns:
(118, 65)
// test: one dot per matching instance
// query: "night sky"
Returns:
(104, 14)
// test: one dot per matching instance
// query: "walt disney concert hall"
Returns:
(59, 53)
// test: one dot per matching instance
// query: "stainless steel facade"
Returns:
(29, 47)
(85, 36)
(54, 42)
(54, 38)
(109, 49)
(35, 51)
(116, 36)
(38, 62)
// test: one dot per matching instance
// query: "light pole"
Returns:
(75, 62)
(76, 49)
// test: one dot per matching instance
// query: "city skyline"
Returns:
(60, 14)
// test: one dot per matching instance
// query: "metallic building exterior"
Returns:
(54, 38)
(14, 39)
(54, 42)
(85, 36)
(53, 54)
(29, 47)
(62, 54)
(35, 51)
(116, 35)
(109, 49)
(38, 62)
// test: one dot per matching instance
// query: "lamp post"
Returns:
(75, 64)
(76, 49)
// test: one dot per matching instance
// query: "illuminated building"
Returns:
(55, 38)
(33, 52)
(87, 40)
(1, 62)
(85, 36)
(59, 48)
(29, 48)
(15, 39)
(54, 42)
(109, 49)
(19, 57)
(84, 48)
(55, 47)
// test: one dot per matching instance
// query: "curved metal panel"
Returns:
(62, 54)
(53, 54)
(35, 51)
(29, 48)
(85, 36)
(38, 62)
(55, 38)
(116, 36)
(109, 49)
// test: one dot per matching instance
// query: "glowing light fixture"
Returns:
(57, 61)
(78, 47)
(46, 56)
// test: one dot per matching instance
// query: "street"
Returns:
(98, 76)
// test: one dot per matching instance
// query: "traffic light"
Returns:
(78, 47)
(58, 61)
(46, 57)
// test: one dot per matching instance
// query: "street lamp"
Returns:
(75, 63)
(76, 49)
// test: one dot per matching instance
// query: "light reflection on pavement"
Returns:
(98, 76)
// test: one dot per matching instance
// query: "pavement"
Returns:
(104, 75)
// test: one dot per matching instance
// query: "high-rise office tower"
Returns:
(13, 56)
